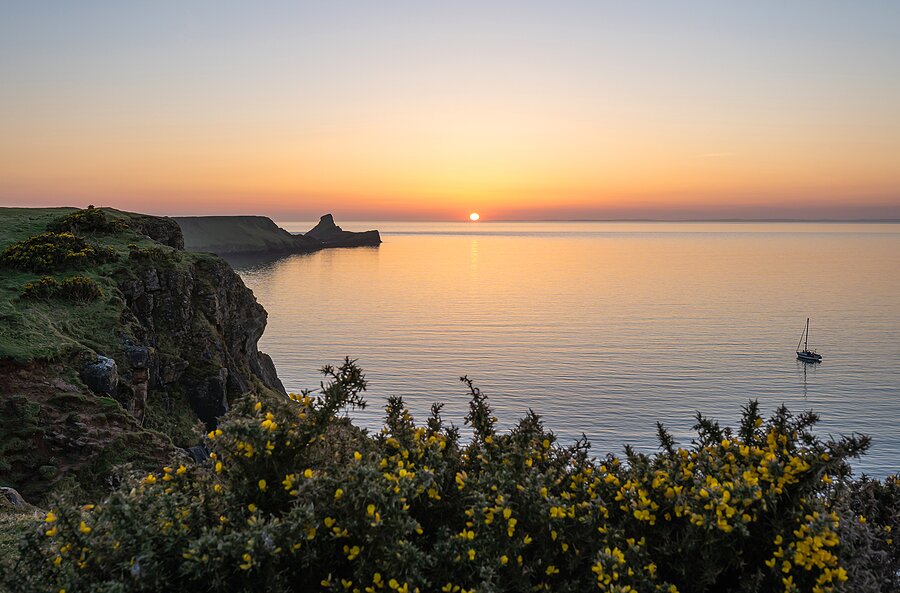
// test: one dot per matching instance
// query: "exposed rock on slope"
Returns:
(246, 235)
(127, 377)
(12, 497)
(56, 432)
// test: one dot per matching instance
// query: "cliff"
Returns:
(116, 345)
(257, 235)
(226, 235)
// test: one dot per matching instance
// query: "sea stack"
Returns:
(331, 235)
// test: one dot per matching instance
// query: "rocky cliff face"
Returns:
(194, 330)
(137, 374)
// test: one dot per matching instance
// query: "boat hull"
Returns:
(809, 357)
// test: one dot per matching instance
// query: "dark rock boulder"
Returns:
(101, 375)
(159, 228)
(137, 356)
(199, 454)
(331, 235)
(13, 497)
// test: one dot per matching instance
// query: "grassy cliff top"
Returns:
(19, 223)
(181, 328)
(41, 329)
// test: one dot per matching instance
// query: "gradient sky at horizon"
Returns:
(416, 110)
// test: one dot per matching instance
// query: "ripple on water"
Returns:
(605, 330)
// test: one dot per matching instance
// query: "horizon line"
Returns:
(295, 218)
(847, 220)
(482, 221)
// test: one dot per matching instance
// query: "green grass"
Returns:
(65, 400)
(20, 223)
(46, 330)
(13, 523)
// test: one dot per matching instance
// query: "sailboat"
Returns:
(807, 355)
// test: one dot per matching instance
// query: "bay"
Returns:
(603, 328)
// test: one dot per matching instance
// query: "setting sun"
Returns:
(474, 216)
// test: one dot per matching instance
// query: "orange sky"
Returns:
(594, 112)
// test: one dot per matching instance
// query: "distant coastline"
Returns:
(256, 235)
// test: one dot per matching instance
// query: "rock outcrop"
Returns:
(101, 375)
(12, 497)
(331, 235)
(258, 235)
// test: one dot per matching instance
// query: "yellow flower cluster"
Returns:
(297, 496)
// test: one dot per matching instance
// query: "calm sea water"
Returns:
(603, 328)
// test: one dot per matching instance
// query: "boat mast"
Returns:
(803, 335)
(806, 343)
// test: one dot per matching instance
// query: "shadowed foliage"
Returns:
(295, 498)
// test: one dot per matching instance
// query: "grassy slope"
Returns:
(40, 330)
(41, 394)
(44, 395)
(23, 335)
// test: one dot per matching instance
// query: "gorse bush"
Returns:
(295, 498)
(870, 512)
(150, 254)
(51, 251)
(44, 288)
(45, 252)
(89, 220)
(77, 289)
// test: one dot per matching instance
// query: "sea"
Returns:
(602, 328)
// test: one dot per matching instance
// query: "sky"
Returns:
(431, 110)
